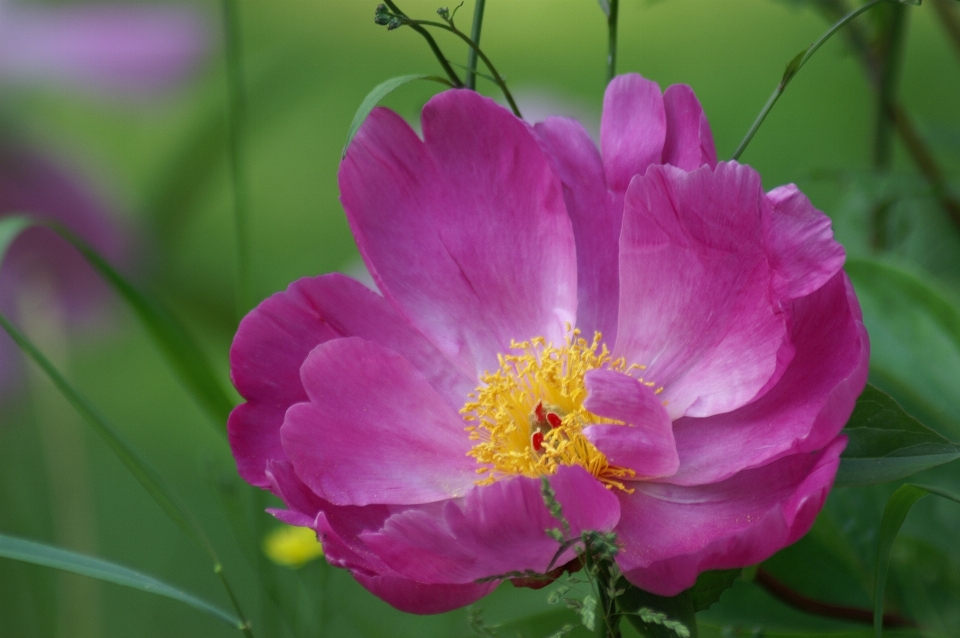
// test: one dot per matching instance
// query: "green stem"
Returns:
(231, 28)
(475, 36)
(454, 78)
(245, 627)
(612, 32)
(794, 67)
(890, 54)
(493, 71)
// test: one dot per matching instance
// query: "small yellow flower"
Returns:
(292, 546)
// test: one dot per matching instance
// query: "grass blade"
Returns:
(181, 350)
(40, 554)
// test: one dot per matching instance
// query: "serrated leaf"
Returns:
(40, 554)
(894, 514)
(887, 444)
(373, 98)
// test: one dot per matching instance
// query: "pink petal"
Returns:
(800, 243)
(595, 214)
(670, 534)
(275, 338)
(695, 303)
(374, 430)
(645, 443)
(417, 598)
(804, 411)
(495, 529)
(689, 142)
(466, 231)
(632, 130)
(104, 47)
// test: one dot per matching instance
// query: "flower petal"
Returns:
(632, 130)
(644, 443)
(804, 411)
(670, 534)
(800, 243)
(695, 303)
(404, 594)
(418, 598)
(374, 430)
(689, 141)
(275, 338)
(595, 213)
(466, 231)
(495, 529)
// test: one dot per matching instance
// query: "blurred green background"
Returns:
(307, 66)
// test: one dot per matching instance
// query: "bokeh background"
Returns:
(154, 157)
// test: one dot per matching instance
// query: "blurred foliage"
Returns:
(308, 64)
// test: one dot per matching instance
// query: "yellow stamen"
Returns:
(513, 440)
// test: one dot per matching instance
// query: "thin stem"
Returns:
(890, 53)
(493, 71)
(454, 78)
(475, 36)
(817, 608)
(794, 67)
(612, 42)
(950, 21)
(236, 111)
(245, 625)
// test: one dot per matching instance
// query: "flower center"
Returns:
(527, 417)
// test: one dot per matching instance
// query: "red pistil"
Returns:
(538, 411)
(554, 419)
(537, 440)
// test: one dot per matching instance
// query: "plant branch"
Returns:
(919, 152)
(950, 21)
(454, 78)
(475, 36)
(818, 608)
(493, 71)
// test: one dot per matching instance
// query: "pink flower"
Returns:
(675, 349)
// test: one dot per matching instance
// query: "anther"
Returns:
(537, 441)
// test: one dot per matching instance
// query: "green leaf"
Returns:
(914, 328)
(47, 556)
(677, 608)
(894, 514)
(181, 350)
(378, 93)
(887, 444)
(792, 67)
(147, 477)
(710, 585)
